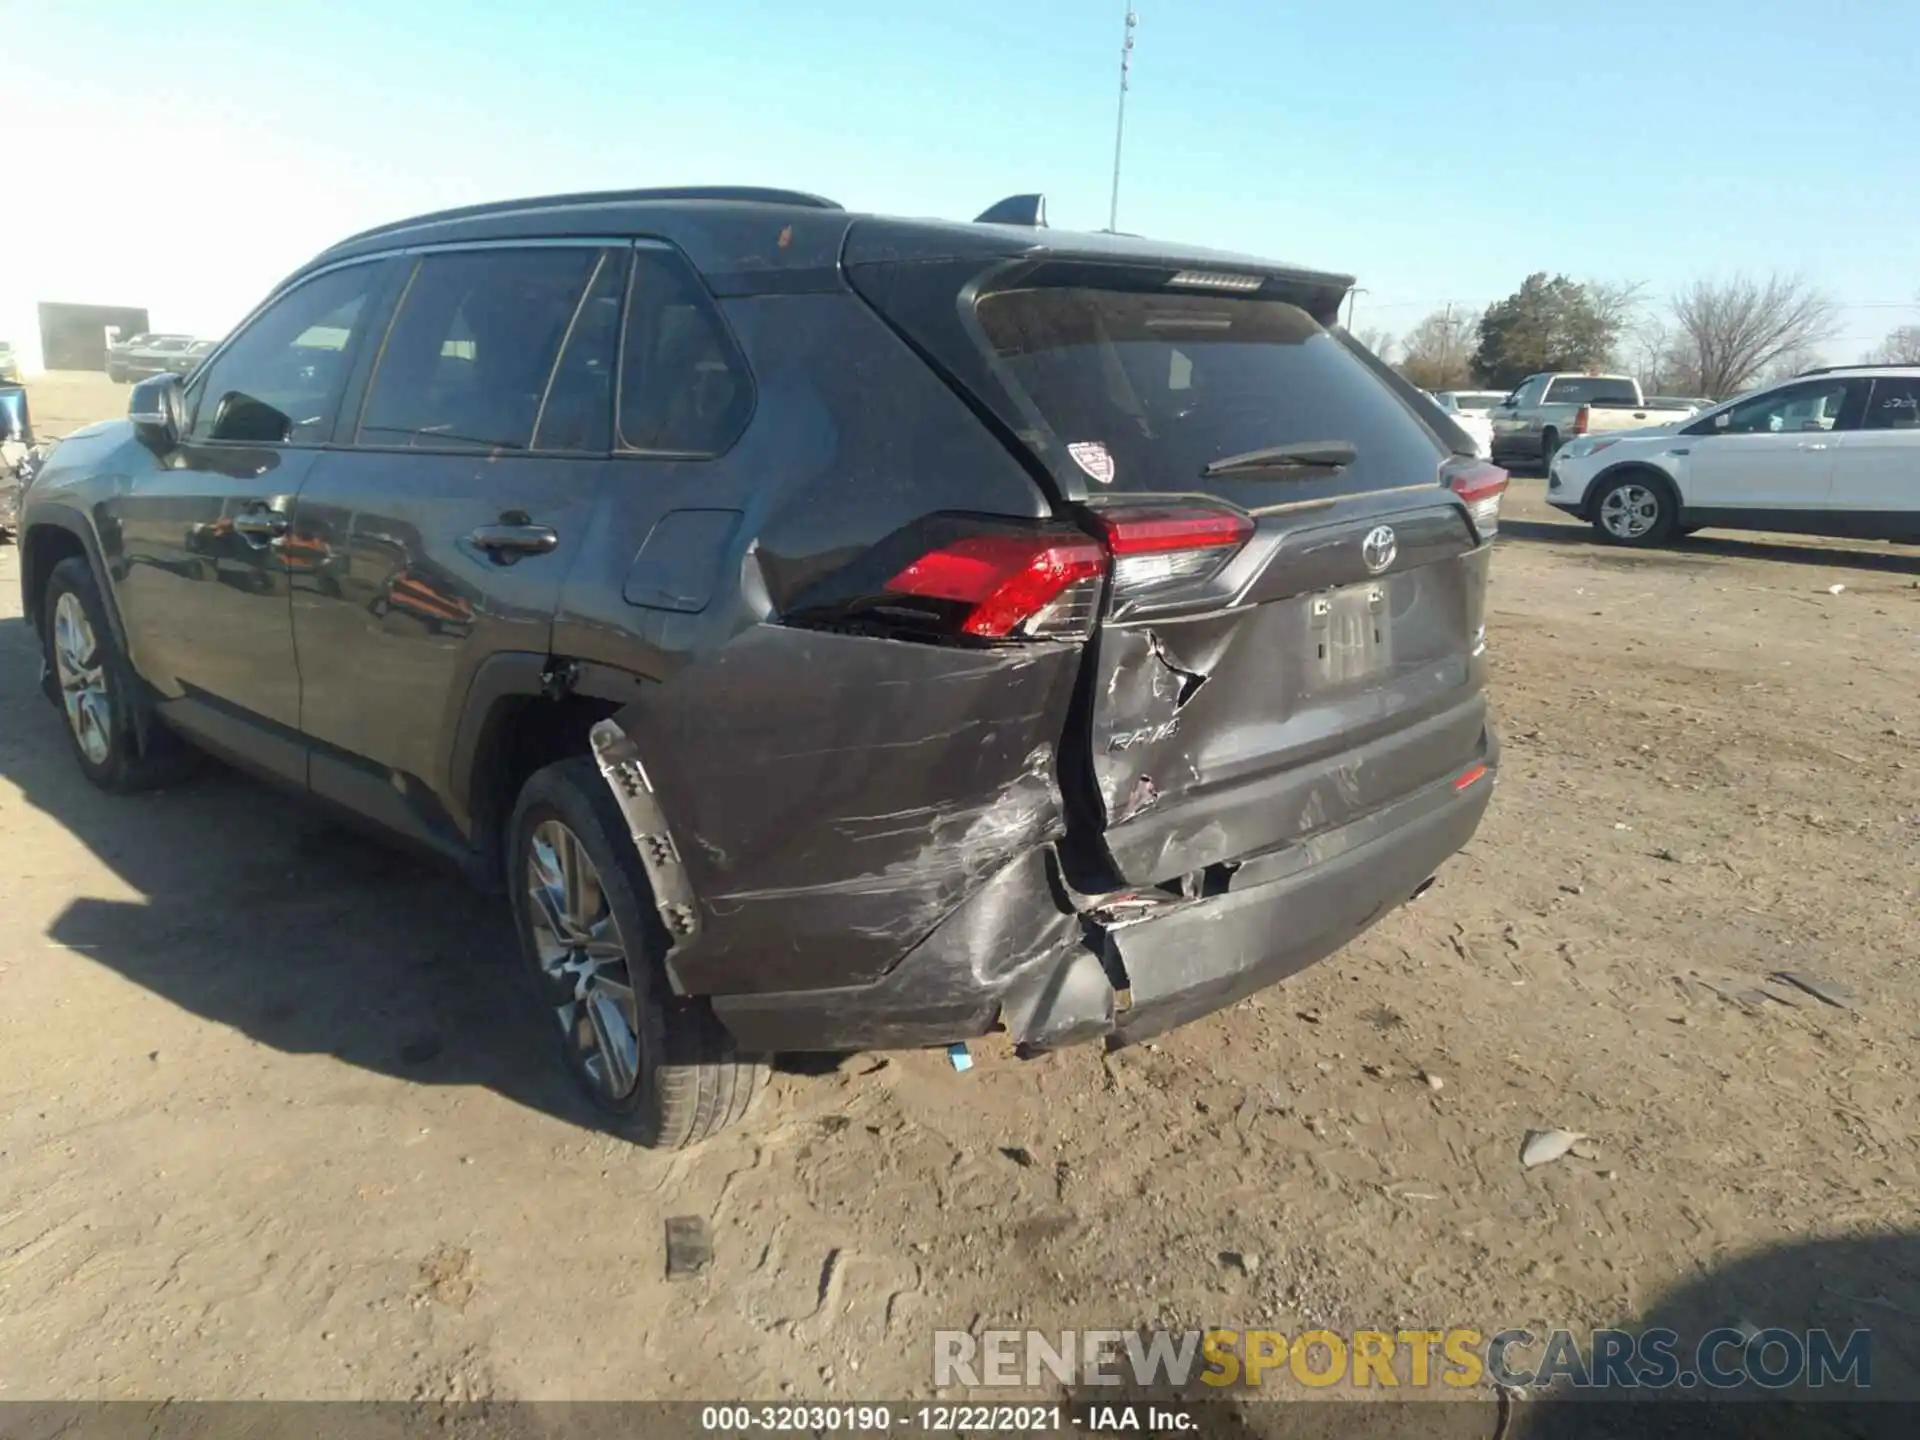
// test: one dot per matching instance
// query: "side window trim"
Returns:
(377, 292)
(736, 353)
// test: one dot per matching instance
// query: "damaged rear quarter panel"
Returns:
(833, 797)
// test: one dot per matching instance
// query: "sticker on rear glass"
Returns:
(1092, 457)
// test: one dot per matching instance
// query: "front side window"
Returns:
(1812, 405)
(470, 352)
(1894, 404)
(684, 388)
(280, 380)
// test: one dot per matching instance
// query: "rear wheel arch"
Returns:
(521, 713)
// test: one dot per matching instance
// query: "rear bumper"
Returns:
(1015, 957)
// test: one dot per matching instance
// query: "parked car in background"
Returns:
(1546, 410)
(146, 355)
(186, 361)
(575, 539)
(1472, 411)
(9, 363)
(1832, 452)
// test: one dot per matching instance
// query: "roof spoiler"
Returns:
(1028, 210)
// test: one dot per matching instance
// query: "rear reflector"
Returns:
(1468, 777)
(1011, 586)
(1479, 487)
(1158, 546)
(1582, 418)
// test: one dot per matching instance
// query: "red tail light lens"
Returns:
(1011, 585)
(1159, 546)
(1480, 487)
(1582, 418)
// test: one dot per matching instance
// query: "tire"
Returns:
(1636, 508)
(97, 691)
(680, 1080)
(1549, 447)
(118, 377)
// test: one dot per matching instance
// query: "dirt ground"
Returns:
(273, 1122)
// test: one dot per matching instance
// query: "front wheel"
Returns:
(1635, 510)
(94, 686)
(659, 1066)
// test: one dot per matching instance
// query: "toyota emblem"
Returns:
(1379, 548)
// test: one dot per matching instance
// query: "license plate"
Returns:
(1353, 631)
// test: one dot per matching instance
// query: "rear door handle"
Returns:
(509, 541)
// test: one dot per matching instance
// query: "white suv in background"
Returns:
(1835, 451)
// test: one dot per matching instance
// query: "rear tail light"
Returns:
(1009, 586)
(1480, 487)
(956, 579)
(1582, 418)
(1160, 547)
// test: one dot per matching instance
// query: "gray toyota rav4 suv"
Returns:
(831, 631)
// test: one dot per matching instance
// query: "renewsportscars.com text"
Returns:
(1456, 1359)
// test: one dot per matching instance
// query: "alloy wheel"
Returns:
(580, 950)
(1630, 512)
(81, 670)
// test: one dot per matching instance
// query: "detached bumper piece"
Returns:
(1013, 958)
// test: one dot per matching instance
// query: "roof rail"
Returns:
(746, 194)
(1863, 365)
(1016, 210)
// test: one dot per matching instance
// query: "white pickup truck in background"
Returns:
(1546, 410)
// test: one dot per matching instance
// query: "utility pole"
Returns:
(1120, 124)
(1353, 303)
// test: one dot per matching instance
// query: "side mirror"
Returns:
(242, 417)
(158, 413)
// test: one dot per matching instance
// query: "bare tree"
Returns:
(1901, 347)
(1649, 350)
(1618, 303)
(1736, 328)
(1789, 363)
(1438, 352)
(1380, 342)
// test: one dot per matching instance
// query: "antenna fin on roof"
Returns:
(1016, 210)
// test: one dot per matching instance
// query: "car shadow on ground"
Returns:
(1869, 1283)
(1705, 547)
(257, 911)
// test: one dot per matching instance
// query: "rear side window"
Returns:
(1895, 404)
(469, 354)
(684, 388)
(1585, 389)
(577, 414)
(1145, 389)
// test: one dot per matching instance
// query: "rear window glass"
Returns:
(1584, 389)
(1148, 388)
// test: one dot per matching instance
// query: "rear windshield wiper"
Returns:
(1301, 455)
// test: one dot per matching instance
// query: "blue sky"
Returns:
(189, 155)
